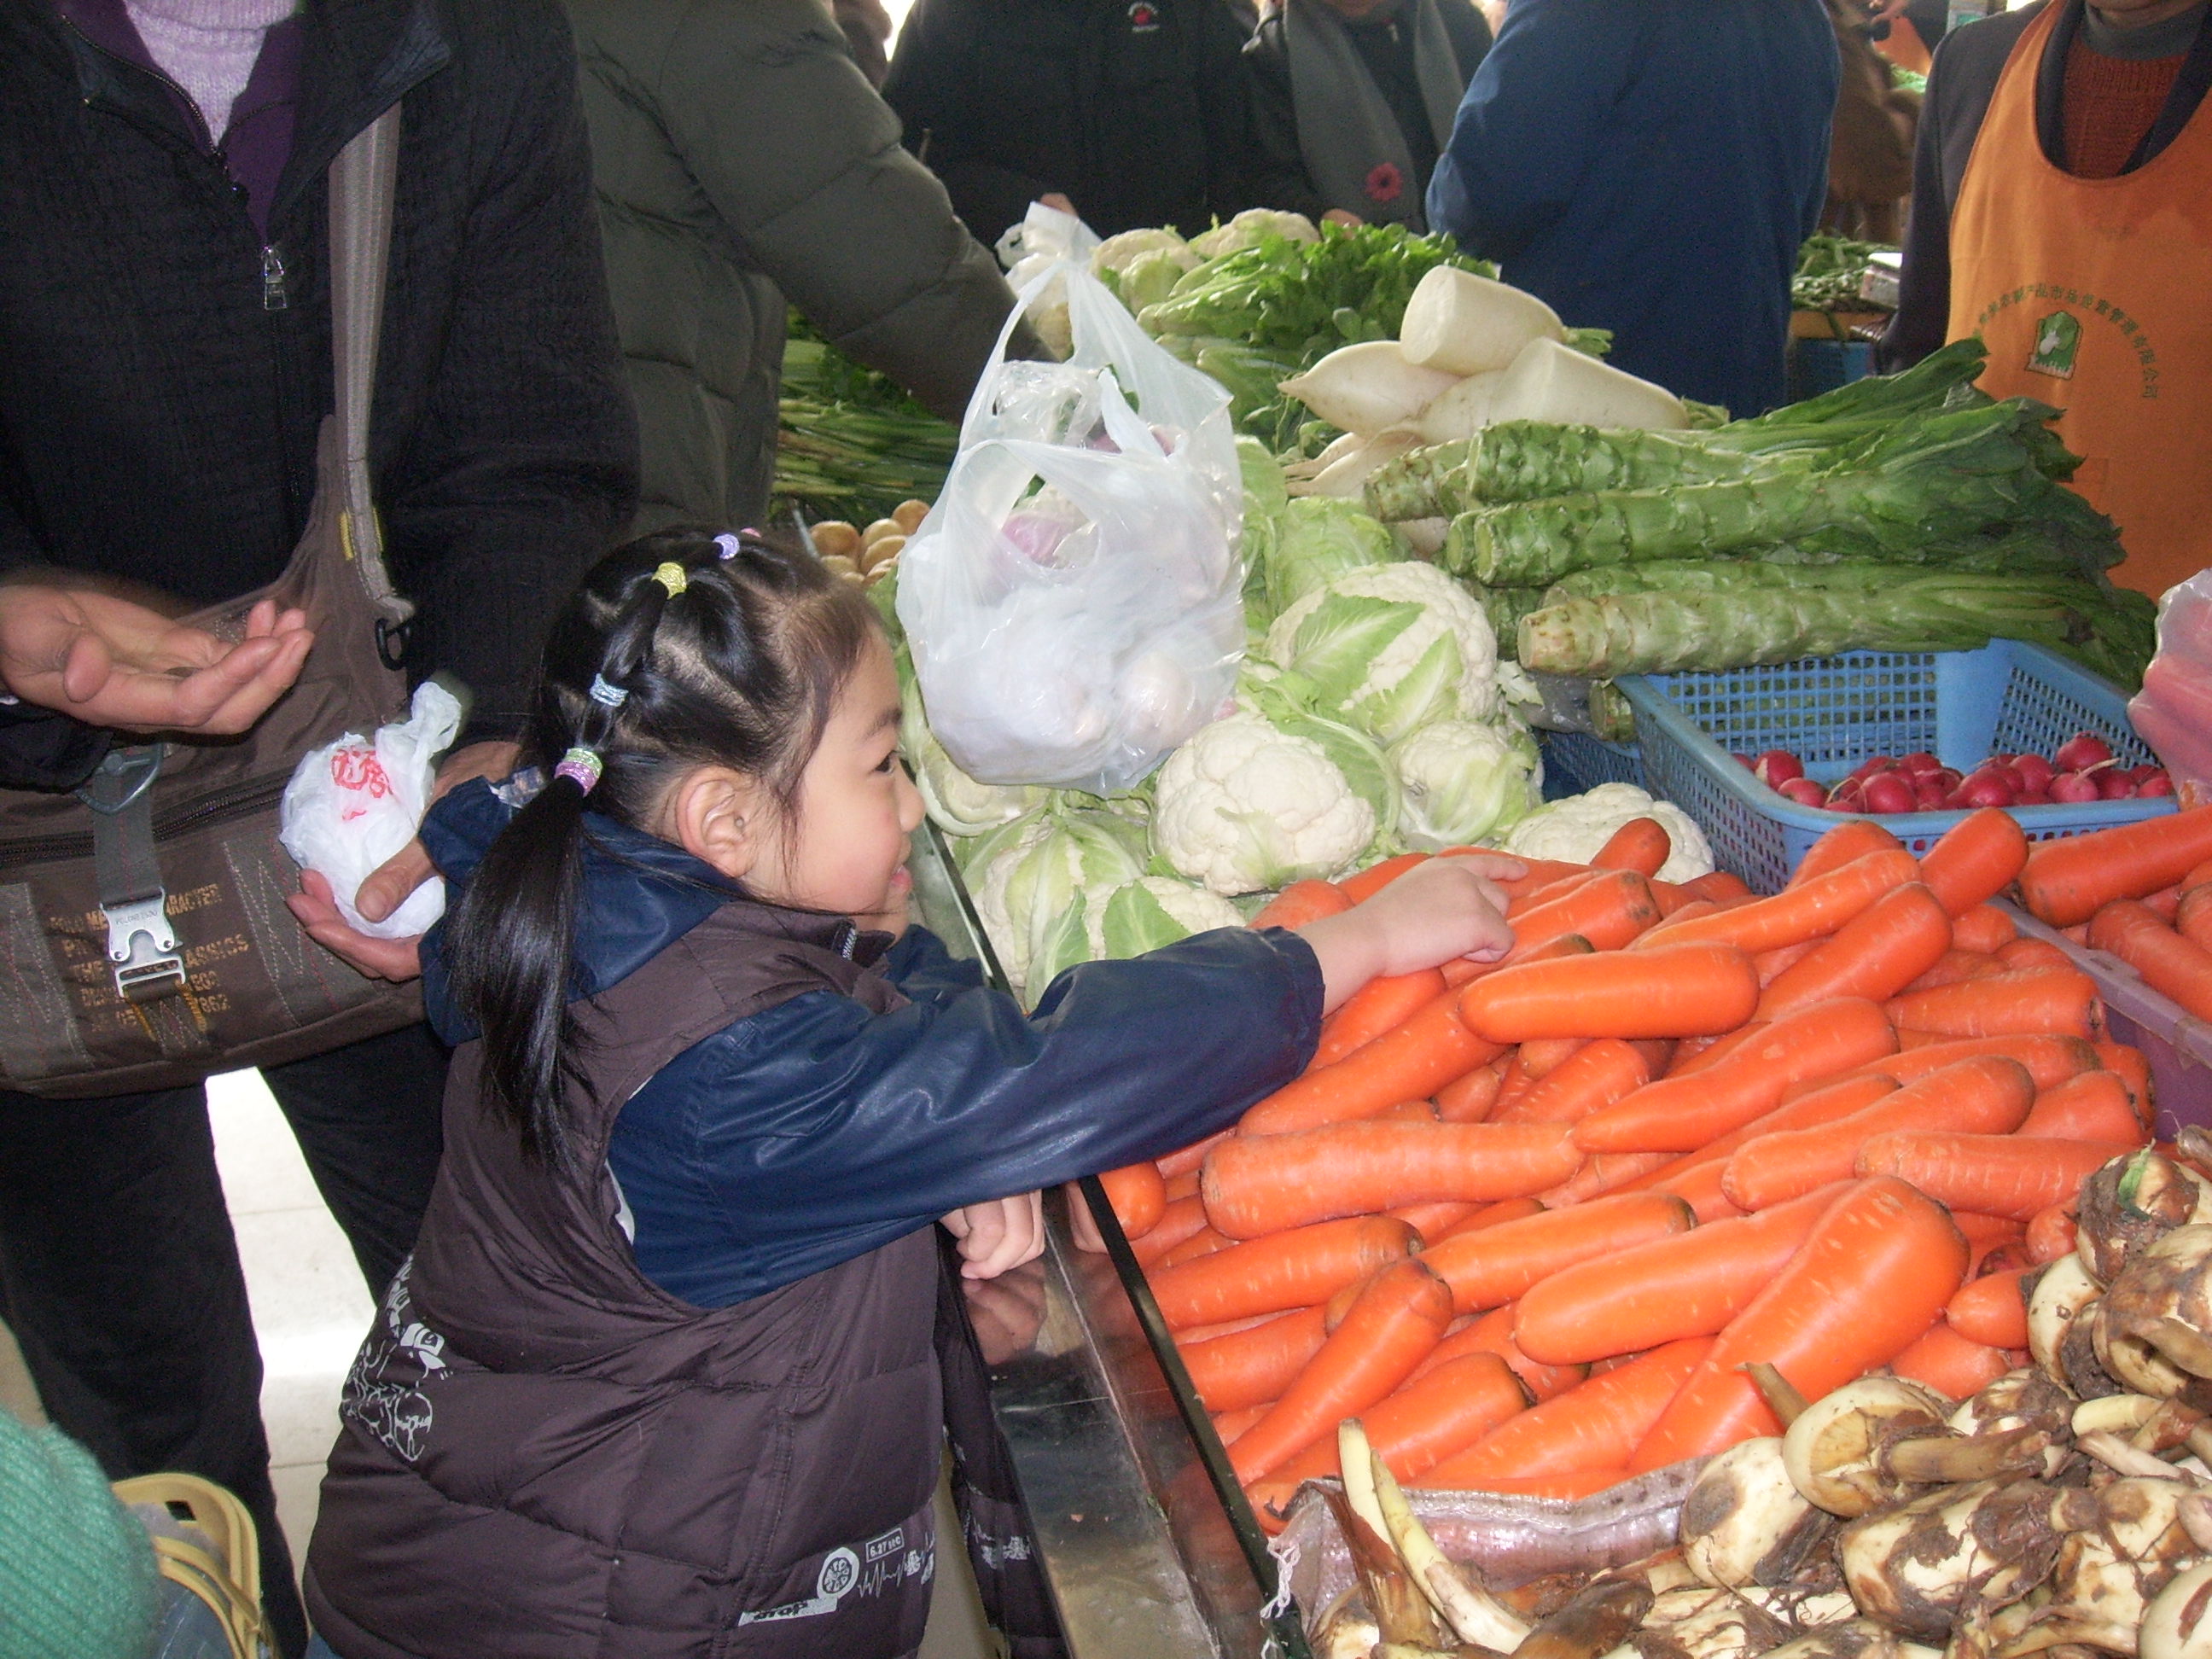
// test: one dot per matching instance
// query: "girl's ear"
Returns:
(713, 814)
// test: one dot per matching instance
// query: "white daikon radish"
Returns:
(1348, 473)
(1368, 387)
(1462, 412)
(1464, 324)
(1344, 444)
(1549, 381)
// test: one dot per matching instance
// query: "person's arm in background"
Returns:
(1224, 109)
(853, 230)
(1536, 114)
(1277, 166)
(928, 88)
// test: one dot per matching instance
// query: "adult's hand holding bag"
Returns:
(1072, 601)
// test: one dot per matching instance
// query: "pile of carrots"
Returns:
(1530, 1221)
(2143, 892)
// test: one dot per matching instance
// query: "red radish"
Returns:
(2074, 787)
(2035, 772)
(1949, 779)
(1867, 768)
(2112, 784)
(2033, 798)
(2144, 773)
(1776, 767)
(1928, 792)
(1920, 765)
(2155, 785)
(1846, 797)
(2081, 751)
(1803, 790)
(1988, 787)
(1745, 762)
(1889, 793)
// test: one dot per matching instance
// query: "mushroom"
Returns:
(2033, 1412)
(1745, 1522)
(2156, 1313)
(2123, 1543)
(2178, 1623)
(1864, 1444)
(1919, 1566)
(2131, 1202)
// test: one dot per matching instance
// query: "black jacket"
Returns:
(1133, 109)
(158, 421)
(1960, 87)
(1386, 46)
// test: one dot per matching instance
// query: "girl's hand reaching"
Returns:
(1438, 910)
(998, 1236)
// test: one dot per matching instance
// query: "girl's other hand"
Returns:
(998, 1236)
(1438, 910)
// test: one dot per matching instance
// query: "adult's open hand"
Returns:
(109, 661)
(388, 885)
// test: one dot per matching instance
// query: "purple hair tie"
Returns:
(730, 544)
(582, 766)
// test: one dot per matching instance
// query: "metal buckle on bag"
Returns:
(141, 945)
(143, 948)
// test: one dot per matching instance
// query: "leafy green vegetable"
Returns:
(1829, 269)
(850, 443)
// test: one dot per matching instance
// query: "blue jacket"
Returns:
(814, 1132)
(1651, 167)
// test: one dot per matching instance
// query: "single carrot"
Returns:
(2051, 1233)
(2094, 1106)
(1683, 1113)
(1640, 844)
(1671, 898)
(1498, 1264)
(1228, 1424)
(1204, 1242)
(1595, 1076)
(1440, 1413)
(1412, 1060)
(1826, 1102)
(1689, 990)
(1260, 1184)
(2011, 1175)
(1377, 876)
(2192, 917)
(1492, 1332)
(1565, 1488)
(1874, 955)
(1950, 1363)
(1697, 1186)
(1470, 1098)
(1525, 898)
(1984, 928)
(1514, 1083)
(1955, 965)
(1300, 902)
(1540, 1059)
(2038, 1001)
(1850, 840)
(1182, 1184)
(2169, 964)
(1718, 885)
(1990, 1310)
(1301, 1268)
(1986, 1095)
(1975, 859)
(1397, 1320)
(1185, 1335)
(1809, 911)
(1535, 872)
(1182, 1218)
(1691, 910)
(1701, 1053)
(1593, 1425)
(1691, 1284)
(1609, 908)
(1186, 1158)
(1433, 1220)
(1770, 965)
(1870, 1279)
(2023, 953)
(2070, 880)
(1493, 1215)
(2165, 904)
(1981, 1231)
(1251, 1367)
(2050, 1059)
(2200, 876)
(1373, 1009)
(1459, 970)
(1602, 1174)
(2132, 1068)
(1139, 1196)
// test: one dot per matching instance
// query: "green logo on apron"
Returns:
(2057, 341)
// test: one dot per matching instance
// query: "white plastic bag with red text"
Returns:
(1072, 601)
(353, 804)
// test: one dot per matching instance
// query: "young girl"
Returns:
(659, 1378)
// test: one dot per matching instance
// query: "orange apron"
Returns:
(2092, 295)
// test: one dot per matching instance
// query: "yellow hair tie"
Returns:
(672, 577)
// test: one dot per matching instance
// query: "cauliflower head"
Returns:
(1460, 782)
(1391, 648)
(1246, 229)
(1243, 808)
(1576, 828)
(1031, 887)
(1152, 911)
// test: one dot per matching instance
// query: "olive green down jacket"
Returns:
(741, 159)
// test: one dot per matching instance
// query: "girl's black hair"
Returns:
(740, 669)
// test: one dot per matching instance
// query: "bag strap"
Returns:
(213, 1549)
(363, 182)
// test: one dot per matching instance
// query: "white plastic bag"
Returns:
(1073, 600)
(352, 804)
(1044, 239)
(2172, 713)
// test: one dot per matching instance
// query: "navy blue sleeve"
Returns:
(1534, 117)
(816, 1132)
(924, 971)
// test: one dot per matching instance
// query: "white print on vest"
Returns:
(891, 1563)
(380, 1393)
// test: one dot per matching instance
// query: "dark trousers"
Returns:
(121, 1276)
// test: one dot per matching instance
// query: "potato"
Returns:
(881, 551)
(881, 528)
(908, 515)
(838, 564)
(834, 538)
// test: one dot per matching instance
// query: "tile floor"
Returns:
(311, 1309)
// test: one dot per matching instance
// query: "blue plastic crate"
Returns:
(1575, 763)
(1833, 713)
